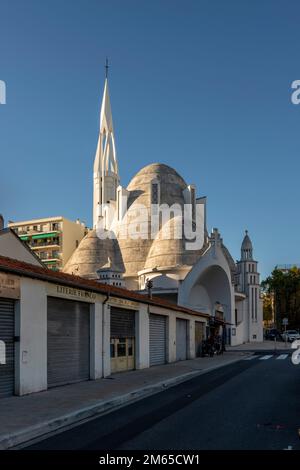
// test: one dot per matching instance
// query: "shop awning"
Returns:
(24, 238)
(44, 235)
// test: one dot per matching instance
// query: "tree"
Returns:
(268, 309)
(284, 286)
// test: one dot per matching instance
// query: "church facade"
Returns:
(151, 237)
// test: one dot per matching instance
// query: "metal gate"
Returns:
(199, 337)
(157, 340)
(7, 356)
(181, 339)
(122, 339)
(68, 341)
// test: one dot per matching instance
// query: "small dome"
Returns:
(169, 251)
(92, 254)
(247, 244)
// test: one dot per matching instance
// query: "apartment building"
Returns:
(53, 239)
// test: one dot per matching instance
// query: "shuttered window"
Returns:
(7, 330)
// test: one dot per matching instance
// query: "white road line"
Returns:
(250, 358)
(282, 356)
(264, 358)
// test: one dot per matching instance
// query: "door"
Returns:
(68, 341)
(157, 339)
(122, 339)
(7, 347)
(181, 339)
(199, 337)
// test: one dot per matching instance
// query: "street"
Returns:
(251, 404)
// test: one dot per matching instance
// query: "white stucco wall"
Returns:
(96, 340)
(142, 359)
(31, 326)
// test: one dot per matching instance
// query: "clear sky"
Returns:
(203, 86)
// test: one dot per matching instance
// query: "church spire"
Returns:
(106, 173)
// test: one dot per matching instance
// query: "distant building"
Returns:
(52, 239)
(12, 247)
(287, 267)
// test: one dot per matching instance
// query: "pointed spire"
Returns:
(106, 173)
(106, 124)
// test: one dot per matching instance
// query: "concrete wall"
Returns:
(31, 326)
(142, 338)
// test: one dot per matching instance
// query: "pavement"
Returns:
(30, 418)
(249, 404)
(260, 346)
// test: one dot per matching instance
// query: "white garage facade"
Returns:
(57, 329)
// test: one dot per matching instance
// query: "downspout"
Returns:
(103, 331)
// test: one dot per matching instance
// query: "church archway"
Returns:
(211, 287)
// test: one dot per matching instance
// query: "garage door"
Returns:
(157, 340)
(181, 339)
(68, 341)
(7, 361)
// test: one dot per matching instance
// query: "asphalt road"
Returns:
(252, 404)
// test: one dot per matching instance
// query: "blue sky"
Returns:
(203, 86)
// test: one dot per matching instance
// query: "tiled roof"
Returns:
(20, 268)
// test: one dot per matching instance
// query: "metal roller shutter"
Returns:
(122, 323)
(68, 339)
(157, 340)
(181, 339)
(7, 331)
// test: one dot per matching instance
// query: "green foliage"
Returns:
(268, 309)
(284, 286)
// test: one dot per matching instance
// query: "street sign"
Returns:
(285, 321)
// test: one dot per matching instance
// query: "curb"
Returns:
(54, 426)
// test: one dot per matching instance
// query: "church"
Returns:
(151, 237)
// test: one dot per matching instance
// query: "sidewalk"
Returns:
(263, 346)
(32, 416)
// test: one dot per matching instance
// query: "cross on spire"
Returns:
(106, 67)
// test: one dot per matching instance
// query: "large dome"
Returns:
(171, 185)
(92, 254)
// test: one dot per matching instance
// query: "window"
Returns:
(121, 349)
(35, 227)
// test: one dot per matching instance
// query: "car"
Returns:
(290, 335)
(273, 333)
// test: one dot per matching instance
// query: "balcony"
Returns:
(52, 244)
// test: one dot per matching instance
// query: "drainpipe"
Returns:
(103, 331)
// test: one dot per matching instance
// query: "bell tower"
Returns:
(106, 173)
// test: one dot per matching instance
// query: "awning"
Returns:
(44, 235)
(24, 238)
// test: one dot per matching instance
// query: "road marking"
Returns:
(282, 356)
(250, 358)
(264, 358)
